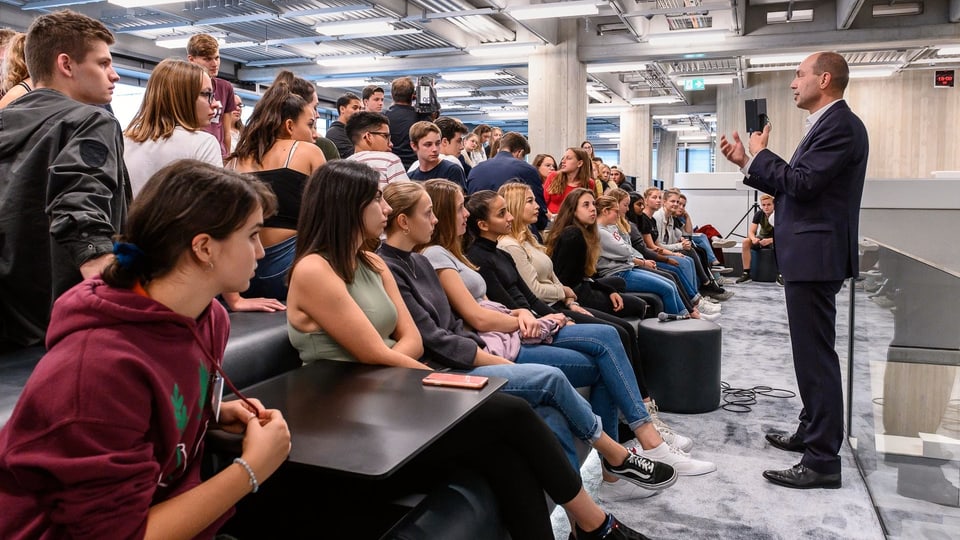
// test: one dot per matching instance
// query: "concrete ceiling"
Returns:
(714, 40)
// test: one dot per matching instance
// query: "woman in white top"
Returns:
(177, 105)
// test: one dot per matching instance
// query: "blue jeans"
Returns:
(686, 272)
(270, 279)
(643, 281)
(549, 392)
(700, 239)
(592, 355)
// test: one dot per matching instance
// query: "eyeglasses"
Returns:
(239, 105)
(209, 95)
(384, 134)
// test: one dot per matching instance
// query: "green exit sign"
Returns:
(693, 84)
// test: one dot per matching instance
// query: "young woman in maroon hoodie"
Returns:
(107, 438)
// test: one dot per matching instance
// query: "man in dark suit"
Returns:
(817, 205)
(508, 165)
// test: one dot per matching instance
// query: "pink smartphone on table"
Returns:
(455, 380)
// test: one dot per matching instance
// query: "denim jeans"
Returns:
(270, 278)
(591, 355)
(549, 392)
(642, 281)
(700, 239)
(686, 272)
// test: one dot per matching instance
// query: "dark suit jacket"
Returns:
(817, 197)
(503, 167)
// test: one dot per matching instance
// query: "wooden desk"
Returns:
(361, 419)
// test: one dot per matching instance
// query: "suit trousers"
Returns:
(812, 314)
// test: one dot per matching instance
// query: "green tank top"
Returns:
(368, 292)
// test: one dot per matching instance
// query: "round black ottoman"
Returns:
(681, 361)
(763, 266)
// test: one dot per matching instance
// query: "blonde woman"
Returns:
(15, 80)
(177, 105)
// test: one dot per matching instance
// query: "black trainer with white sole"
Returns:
(643, 472)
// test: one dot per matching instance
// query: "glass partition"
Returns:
(903, 397)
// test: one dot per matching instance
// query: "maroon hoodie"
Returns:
(112, 419)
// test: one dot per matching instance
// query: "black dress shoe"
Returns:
(800, 477)
(790, 443)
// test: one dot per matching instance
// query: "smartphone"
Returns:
(455, 380)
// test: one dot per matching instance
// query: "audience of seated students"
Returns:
(483, 132)
(536, 271)
(403, 115)
(115, 410)
(598, 360)
(494, 146)
(15, 80)
(204, 50)
(58, 222)
(451, 142)
(574, 172)
(676, 263)
(670, 237)
(372, 97)
(470, 144)
(509, 165)
(545, 164)
(674, 217)
(276, 148)
(347, 106)
(425, 140)
(759, 236)
(370, 133)
(177, 105)
(449, 343)
(503, 439)
(631, 210)
(699, 238)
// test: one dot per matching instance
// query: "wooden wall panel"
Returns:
(911, 124)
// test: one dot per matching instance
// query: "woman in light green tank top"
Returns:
(337, 288)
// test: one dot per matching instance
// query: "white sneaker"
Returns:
(621, 490)
(673, 438)
(678, 459)
(707, 307)
(709, 316)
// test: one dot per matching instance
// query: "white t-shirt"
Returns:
(386, 163)
(144, 159)
(451, 159)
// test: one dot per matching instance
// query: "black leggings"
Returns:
(503, 440)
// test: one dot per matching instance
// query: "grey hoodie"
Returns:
(616, 253)
(64, 193)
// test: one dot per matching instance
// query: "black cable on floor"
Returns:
(738, 400)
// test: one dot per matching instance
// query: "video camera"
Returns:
(427, 102)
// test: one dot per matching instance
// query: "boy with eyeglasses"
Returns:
(204, 50)
(370, 133)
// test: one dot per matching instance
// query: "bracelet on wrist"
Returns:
(253, 478)
(574, 303)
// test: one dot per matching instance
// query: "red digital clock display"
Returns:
(944, 79)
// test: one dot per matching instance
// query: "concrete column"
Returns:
(558, 94)
(636, 144)
(667, 157)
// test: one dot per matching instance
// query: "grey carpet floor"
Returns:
(736, 501)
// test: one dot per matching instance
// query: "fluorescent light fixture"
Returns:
(710, 79)
(524, 102)
(681, 127)
(474, 75)
(897, 9)
(454, 92)
(606, 110)
(143, 3)
(342, 83)
(871, 72)
(509, 115)
(671, 116)
(352, 60)
(616, 67)
(502, 49)
(343, 28)
(654, 100)
(690, 38)
(948, 50)
(553, 10)
(693, 138)
(797, 15)
(772, 59)
(180, 41)
(238, 44)
(609, 135)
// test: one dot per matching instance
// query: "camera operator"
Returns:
(403, 115)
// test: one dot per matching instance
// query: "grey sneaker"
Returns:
(642, 471)
(673, 438)
(723, 242)
(744, 278)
